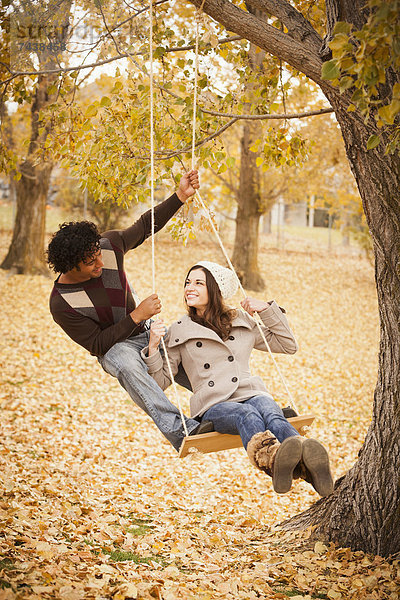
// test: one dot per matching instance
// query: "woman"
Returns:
(214, 343)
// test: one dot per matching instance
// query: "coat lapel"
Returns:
(185, 329)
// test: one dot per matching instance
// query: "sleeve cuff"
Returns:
(271, 315)
(154, 362)
(177, 199)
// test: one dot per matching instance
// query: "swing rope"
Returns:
(256, 318)
(153, 269)
(151, 75)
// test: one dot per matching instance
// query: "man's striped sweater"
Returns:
(96, 313)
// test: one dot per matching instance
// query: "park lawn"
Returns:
(95, 503)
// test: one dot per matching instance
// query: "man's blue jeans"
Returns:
(249, 417)
(124, 362)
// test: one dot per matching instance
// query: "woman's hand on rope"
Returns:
(252, 305)
(146, 309)
(157, 331)
(188, 185)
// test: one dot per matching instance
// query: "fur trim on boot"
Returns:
(275, 459)
(261, 451)
(314, 467)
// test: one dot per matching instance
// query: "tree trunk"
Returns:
(26, 251)
(245, 253)
(364, 510)
(25, 254)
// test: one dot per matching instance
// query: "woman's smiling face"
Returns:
(196, 293)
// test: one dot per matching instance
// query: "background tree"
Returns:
(25, 254)
(115, 128)
(79, 204)
(249, 194)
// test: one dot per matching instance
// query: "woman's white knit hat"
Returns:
(226, 279)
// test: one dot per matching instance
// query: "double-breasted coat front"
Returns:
(219, 370)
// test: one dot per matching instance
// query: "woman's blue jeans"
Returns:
(124, 362)
(249, 417)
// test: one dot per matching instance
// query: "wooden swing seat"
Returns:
(215, 442)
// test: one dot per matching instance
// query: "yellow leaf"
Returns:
(320, 548)
(334, 595)
(91, 111)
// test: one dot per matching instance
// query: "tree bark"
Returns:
(364, 510)
(245, 253)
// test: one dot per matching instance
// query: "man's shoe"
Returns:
(289, 412)
(204, 427)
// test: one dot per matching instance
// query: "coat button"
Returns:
(199, 344)
(211, 383)
(230, 358)
(234, 379)
(231, 337)
(206, 365)
(177, 340)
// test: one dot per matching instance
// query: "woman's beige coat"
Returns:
(219, 370)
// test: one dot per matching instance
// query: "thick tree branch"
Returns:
(266, 37)
(296, 24)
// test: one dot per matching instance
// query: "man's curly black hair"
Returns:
(74, 242)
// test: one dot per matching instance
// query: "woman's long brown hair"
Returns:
(217, 316)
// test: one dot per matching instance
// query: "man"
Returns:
(94, 304)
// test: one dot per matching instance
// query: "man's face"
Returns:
(90, 268)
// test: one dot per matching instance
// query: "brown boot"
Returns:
(275, 459)
(314, 467)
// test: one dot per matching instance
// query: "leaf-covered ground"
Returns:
(95, 503)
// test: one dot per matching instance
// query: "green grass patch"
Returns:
(6, 564)
(118, 555)
(290, 592)
(140, 527)
(139, 530)
(4, 584)
(53, 408)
